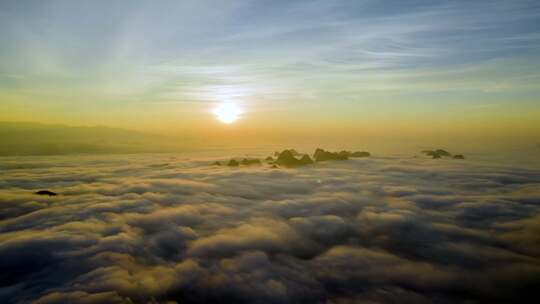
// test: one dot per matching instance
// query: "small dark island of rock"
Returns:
(233, 163)
(45, 192)
(322, 155)
(440, 153)
(293, 158)
(286, 158)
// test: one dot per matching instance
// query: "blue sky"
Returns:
(59, 56)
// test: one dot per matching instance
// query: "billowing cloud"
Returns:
(162, 229)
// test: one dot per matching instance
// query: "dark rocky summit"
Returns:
(322, 155)
(286, 158)
(292, 158)
(435, 153)
(233, 163)
(439, 153)
(356, 154)
(294, 152)
(45, 192)
(442, 152)
(244, 162)
(306, 160)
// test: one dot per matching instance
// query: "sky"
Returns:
(400, 70)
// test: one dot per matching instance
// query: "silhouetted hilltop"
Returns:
(322, 155)
(286, 158)
(439, 153)
(233, 163)
(357, 154)
(244, 162)
(292, 151)
(45, 192)
(306, 160)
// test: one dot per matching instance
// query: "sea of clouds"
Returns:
(171, 229)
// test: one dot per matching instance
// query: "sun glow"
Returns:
(227, 112)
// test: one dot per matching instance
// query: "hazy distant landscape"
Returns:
(48, 139)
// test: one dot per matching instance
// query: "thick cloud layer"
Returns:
(163, 229)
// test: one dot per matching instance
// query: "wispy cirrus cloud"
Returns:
(352, 46)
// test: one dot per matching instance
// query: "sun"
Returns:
(227, 112)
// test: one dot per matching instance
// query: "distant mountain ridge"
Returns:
(19, 138)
